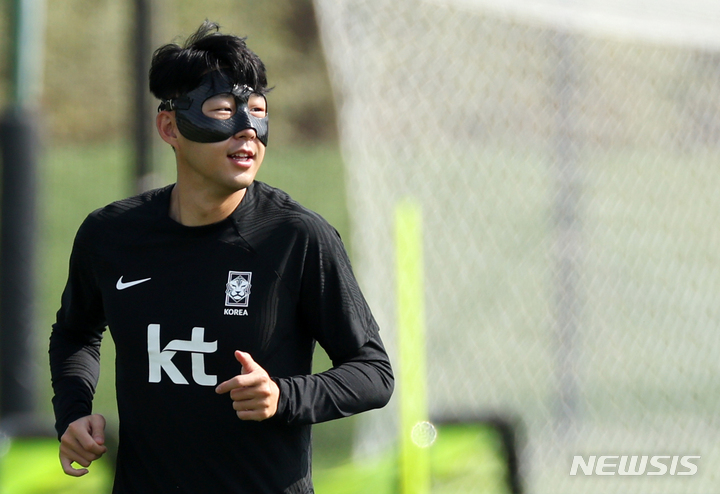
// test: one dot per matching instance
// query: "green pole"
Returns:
(412, 378)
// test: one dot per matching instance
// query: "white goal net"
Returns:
(567, 159)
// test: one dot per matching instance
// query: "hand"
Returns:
(83, 442)
(254, 395)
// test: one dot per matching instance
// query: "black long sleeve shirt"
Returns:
(271, 280)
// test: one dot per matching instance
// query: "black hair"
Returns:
(176, 70)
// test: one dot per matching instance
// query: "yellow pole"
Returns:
(414, 459)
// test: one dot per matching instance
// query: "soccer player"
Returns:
(215, 290)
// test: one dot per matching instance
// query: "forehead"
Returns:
(215, 82)
(218, 84)
(256, 97)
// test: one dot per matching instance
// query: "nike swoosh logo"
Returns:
(122, 285)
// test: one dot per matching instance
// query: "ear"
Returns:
(167, 127)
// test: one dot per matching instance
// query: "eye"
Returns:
(257, 105)
(221, 106)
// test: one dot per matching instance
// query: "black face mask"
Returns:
(196, 126)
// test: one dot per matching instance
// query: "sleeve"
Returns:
(358, 383)
(75, 340)
(334, 310)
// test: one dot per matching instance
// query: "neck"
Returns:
(194, 208)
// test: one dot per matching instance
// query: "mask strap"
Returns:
(181, 103)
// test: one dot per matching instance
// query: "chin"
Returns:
(239, 185)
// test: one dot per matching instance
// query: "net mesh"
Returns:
(568, 184)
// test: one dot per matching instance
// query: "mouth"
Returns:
(242, 157)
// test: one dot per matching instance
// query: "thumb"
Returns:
(247, 362)
(97, 428)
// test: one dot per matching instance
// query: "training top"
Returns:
(271, 279)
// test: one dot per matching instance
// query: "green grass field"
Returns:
(465, 458)
(30, 466)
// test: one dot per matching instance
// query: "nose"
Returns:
(248, 133)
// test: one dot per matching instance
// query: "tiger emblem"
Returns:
(238, 288)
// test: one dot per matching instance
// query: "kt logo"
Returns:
(161, 360)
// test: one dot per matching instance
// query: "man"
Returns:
(215, 290)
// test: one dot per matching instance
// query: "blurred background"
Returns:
(564, 155)
(559, 162)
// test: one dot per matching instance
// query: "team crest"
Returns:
(237, 290)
